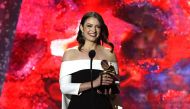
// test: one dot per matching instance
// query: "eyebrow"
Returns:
(92, 24)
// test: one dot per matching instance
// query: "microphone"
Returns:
(92, 54)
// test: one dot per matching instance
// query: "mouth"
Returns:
(92, 34)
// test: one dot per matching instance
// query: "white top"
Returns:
(69, 67)
(75, 65)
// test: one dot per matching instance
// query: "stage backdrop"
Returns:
(152, 44)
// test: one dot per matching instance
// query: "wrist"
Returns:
(96, 84)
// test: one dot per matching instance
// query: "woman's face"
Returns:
(91, 29)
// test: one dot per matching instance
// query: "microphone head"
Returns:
(92, 53)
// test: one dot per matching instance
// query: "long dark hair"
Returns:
(103, 38)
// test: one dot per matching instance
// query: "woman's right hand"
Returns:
(103, 79)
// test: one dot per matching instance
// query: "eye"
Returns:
(98, 27)
(89, 25)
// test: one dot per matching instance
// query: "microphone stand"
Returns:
(91, 77)
(91, 54)
(91, 81)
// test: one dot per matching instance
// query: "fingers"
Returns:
(109, 72)
(106, 79)
(114, 76)
(112, 73)
(99, 92)
(110, 91)
(106, 91)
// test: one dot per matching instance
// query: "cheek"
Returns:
(98, 31)
(86, 29)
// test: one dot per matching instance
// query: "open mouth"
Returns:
(92, 34)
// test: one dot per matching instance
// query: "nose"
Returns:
(93, 29)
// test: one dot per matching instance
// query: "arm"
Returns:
(75, 88)
(67, 87)
(65, 78)
(116, 100)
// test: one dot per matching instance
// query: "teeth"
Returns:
(92, 34)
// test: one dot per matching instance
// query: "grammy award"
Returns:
(109, 69)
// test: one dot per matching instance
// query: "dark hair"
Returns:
(103, 38)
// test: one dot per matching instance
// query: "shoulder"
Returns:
(111, 56)
(70, 53)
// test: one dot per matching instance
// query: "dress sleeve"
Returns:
(65, 80)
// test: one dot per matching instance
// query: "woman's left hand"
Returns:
(106, 91)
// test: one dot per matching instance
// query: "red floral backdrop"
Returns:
(151, 39)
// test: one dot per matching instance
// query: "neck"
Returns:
(89, 46)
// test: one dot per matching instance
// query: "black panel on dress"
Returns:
(85, 100)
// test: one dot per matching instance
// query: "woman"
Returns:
(78, 89)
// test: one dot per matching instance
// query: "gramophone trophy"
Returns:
(109, 69)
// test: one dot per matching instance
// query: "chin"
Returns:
(92, 39)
